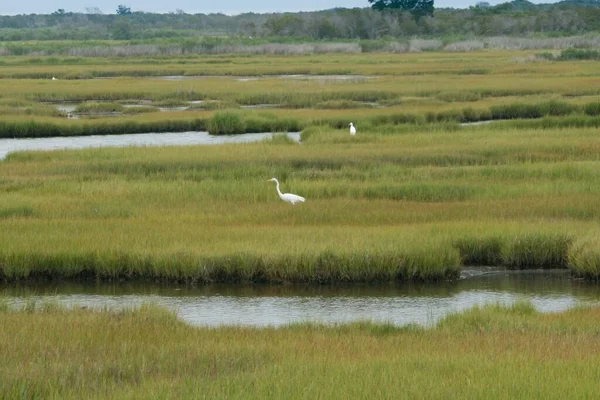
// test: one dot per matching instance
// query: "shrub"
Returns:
(579, 54)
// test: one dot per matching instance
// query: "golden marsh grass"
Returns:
(491, 352)
(383, 207)
(412, 196)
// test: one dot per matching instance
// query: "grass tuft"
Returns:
(538, 251)
(226, 123)
(480, 251)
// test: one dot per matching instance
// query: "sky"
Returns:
(229, 7)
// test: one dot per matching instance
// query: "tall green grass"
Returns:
(410, 205)
(584, 258)
(229, 121)
(311, 267)
(480, 250)
(226, 123)
(413, 195)
(96, 107)
(48, 128)
(492, 351)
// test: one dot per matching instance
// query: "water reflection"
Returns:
(139, 139)
(262, 305)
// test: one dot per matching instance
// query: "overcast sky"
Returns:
(230, 7)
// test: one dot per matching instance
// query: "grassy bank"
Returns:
(491, 352)
(331, 90)
(388, 204)
(234, 121)
(413, 196)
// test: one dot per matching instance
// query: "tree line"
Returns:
(516, 18)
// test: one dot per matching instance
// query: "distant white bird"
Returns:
(287, 197)
(53, 78)
(352, 129)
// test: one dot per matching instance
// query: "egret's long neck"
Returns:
(278, 191)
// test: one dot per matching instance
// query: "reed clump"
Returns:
(538, 251)
(525, 251)
(226, 123)
(480, 250)
(229, 122)
(584, 259)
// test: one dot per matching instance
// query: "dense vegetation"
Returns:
(414, 196)
(491, 352)
(417, 194)
(516, 18)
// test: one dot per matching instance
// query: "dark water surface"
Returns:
(262, 305)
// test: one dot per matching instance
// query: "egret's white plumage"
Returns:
(53, 78)
(287, 197)
(352, 129)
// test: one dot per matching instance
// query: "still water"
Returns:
(139, 139)
(275, 305)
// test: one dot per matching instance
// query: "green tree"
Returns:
(123, 10)
(121, 30)
(285, 25)
(418, 8)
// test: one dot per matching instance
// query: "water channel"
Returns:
(276, 305)
(139, 139)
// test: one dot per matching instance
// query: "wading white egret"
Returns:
(53, 78)
(288, 197)
(352, 129)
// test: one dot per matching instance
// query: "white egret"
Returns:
(287, 197)
(53, 78)
(352, 129)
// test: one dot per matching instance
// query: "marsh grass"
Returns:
(374, 213)
(33, 111)
(538, 251)
(249, 121)
(482, 89)
(480, 251)
(584, 259)
(549, 108)
(572, 54)
(226, 123)
(99, 107)
(413, 196)
(532, 250)
(16, 212)
(341, 104)
(139, 110)
(22, 128)
(326, 266)
(497, 351)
